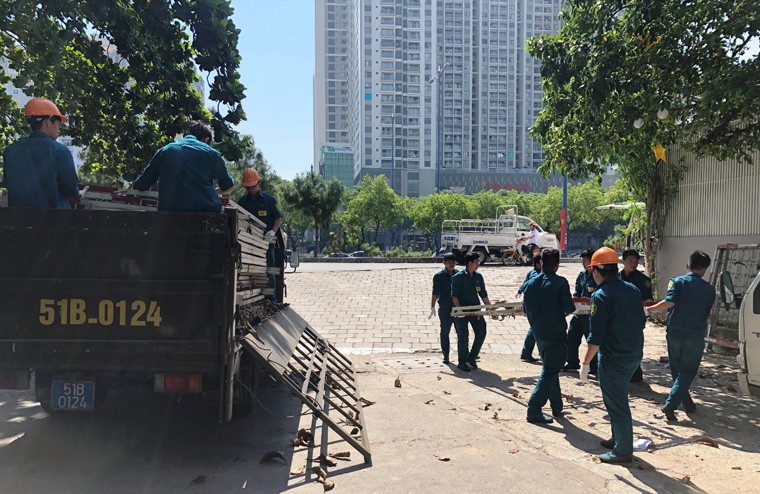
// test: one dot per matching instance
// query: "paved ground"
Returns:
(367, 311)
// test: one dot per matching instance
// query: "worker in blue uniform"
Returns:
(584, 287)
(467, 289)
(442, 294)
(616, 332)
(690, 300)
(264, 207)
(39, 172)
(187, 170)
(547, 303)
(632, 275)
(526, 355)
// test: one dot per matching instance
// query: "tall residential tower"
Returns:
(415, 80)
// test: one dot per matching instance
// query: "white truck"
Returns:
(749, 331)
(496, 238)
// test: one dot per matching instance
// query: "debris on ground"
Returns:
(443, 458)
(200, 479)
(514, 450)
(398, 382)
(326, 460)
(366, 402)
(298, 471)
(341, 455)
(304, 438)
(707, 441)
(271, 456)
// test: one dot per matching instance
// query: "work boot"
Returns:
(472, 364)
(608, 443)
(463, 367)
(542, 419)
(670, 415)
(530, 359)
(612, 458)
(688, 405)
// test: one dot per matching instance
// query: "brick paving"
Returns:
(386, 311)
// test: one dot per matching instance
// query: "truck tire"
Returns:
(245, 388)
(482, 254)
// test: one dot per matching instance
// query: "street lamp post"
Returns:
(439, 121)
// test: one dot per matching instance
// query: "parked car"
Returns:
(336, 254)
(358, 253)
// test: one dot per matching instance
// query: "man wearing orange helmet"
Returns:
(39, 172)
(187, 169)
(264, 207)
(616, 331)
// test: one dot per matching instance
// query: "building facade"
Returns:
(438, 91)
(337, 161)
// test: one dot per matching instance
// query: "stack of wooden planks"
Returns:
(253, 283)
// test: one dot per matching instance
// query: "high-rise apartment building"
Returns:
(442, 92)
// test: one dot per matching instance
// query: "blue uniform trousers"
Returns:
(272, 278)
(614, 376)
(463, 340)
(528, 345)
(685, 355)
(579, 328)
(547, 387)
(444, 315)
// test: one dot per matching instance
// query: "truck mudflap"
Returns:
(314, 370)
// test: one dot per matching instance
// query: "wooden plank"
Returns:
(245, 301)
(247, 215)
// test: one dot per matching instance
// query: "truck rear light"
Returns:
(177, 383)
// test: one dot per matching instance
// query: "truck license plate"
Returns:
(73, 395)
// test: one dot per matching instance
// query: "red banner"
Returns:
(562, 229)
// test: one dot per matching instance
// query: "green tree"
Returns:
(429, 213)
(124, 72)
(375, 205)
(622, 78)
(315, 199)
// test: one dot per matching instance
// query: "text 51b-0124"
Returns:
(76, 311)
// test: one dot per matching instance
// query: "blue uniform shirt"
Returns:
(693, 298)
(531, 274)
(617, 319)
(640, 281)
(584, 284)
(264, 207)
(442, 288)
(187, 169)
(39, 172)
(468, 288)
(547, 301)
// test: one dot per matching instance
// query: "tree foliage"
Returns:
(374, 207)
(315, 199)
(124, 72)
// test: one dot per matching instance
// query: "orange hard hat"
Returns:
(250, 177)
(43, 107)
(604, 255)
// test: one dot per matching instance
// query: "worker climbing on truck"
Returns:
(264, 207)
(39, 172)
(187, 170)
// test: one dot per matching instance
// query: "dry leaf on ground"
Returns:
(446, 392)
(685, 479)
(298, 471)
(366, 402)
(514, 450)
(707, 441)
(428, 402)
(398, 382)
(330, 462)
(328, 485)
(596, 459)
(443, 458)
(341, 455)
(319, 472)
(438, 377)
(199, 479)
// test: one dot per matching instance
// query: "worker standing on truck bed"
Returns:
(264, 207)
(616, 331)
(187, 170)
(467, 287)
(632, 275)
(689, 300)
(547, 303)
(442, 293)
(39, 172)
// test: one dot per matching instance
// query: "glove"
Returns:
(432, 312)
(584, 373)
(270, 233)
(518, 295)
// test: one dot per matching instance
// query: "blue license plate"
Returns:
(73, 395)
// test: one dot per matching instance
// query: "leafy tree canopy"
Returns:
(314, 198)
(124, 71)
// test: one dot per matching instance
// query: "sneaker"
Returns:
(608, 443)
(472, 364)
(543, 419)
(530, 359)
(614, 459)
(670, 415)
(571, 367)
(463, 367)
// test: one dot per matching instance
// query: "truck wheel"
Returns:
(482, 255)
(244, 388)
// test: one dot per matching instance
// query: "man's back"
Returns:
(39, 172)
(693, 298)
(547, 301)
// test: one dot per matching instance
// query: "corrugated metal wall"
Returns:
(715, 198)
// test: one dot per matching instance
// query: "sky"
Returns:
(277, 68)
